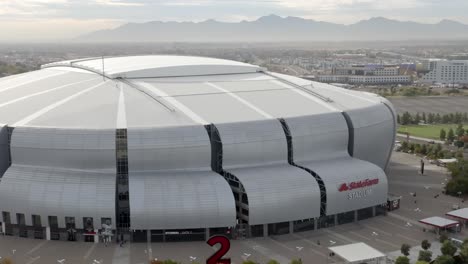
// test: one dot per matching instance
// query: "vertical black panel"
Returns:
(5, 149)
(122, 198)
(349, 123)
(240, 196)
(321, 184)
(216, 148)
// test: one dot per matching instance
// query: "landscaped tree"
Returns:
(442, 134)
(430, 118)
(445, 259)
(445, 119)
(423, 149)
(448, 248)
(464, 252)
(406, 118)
(402, 260)
(443, 238)
(296, 261)
(398, 118)
(425, 255)
(425, 244)
(459, 181)
(417, 118)
(460, 130)
(404, 146)
(405, 249)
(450, 135)
(459, 144)
(6, 261)
(170, 261)
(437, 118)
(272, 261)
(412, 147)
(424, 118)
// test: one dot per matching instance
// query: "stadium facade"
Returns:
(179, 148)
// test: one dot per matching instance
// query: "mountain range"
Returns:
(274, 28)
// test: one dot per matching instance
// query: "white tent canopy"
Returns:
(439, 222)
(357, 252)
(460, 213)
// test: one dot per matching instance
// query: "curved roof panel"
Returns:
(158, 66)
(161, 91)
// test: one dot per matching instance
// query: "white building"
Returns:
(374, 70)
(446, 72)
(180, 148)
(366, 74)
(360, 79)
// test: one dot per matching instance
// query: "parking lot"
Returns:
(428, 104)
(385, 233)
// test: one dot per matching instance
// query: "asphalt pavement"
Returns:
(385, 233)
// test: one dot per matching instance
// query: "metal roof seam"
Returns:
(324, 98)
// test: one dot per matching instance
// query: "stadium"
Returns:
(170, 148)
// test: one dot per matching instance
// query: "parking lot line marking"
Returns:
(32, 260)
(121, 255)
(408, 238)
(38, 246)
(392, 224)
(413, 222)
(311, 243)
(333, 233)
(377, 230)
(282, 245)
(386, 242)
(359, 235)
(90, 250)
(266, 252)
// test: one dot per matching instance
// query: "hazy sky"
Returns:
(33, 20)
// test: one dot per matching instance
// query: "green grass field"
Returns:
(427, 131)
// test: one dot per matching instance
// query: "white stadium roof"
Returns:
(161, 91)
(158, 66)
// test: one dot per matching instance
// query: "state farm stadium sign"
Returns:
(358, 189)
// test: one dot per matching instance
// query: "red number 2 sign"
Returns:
(216, 258)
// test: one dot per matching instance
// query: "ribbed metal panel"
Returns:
(64, 148)
(170, 148)
(171, 182)
(374, 131)
(257, 143)
(63, 173)
(58, 192)
(4, 149)
(320, 144)
(256, 153)
(178, 200)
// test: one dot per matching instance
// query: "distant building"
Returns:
(367, 74)
(446, 72)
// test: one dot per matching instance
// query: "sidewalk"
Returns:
(421, 138)
(414, 252)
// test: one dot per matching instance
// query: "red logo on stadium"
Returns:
(357, 184)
